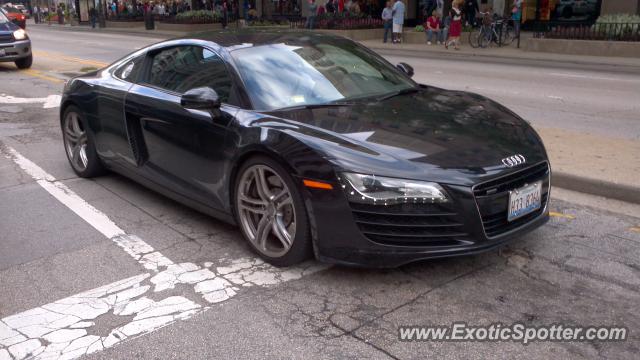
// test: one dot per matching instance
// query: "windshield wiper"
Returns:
(315, 106)
(406, 91)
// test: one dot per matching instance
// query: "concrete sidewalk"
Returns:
(583, 162)
(507, 52)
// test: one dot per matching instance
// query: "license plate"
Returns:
(524, 200)
(3, 52)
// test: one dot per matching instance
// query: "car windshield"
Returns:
(3, 19)
(298, 73)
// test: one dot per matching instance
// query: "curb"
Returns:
(507, 58)
(597, 187)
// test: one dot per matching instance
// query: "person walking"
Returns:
(455, 29)
(398, 20)
(225, 14)
(516, 16)
(387, 17)
(313, 11)
(93, 16)
(432, 26)
(429, 7)
(471, 10)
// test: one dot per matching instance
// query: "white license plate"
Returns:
(3, 52)
(524, 200)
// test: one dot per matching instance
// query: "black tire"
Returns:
(94, 165)
(24, 63)
(508, 35)
(301, 247)
(474, 38)
(484, 39)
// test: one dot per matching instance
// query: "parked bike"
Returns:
(495, 30)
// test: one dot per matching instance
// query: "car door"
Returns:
(111, 134)
(181, 148)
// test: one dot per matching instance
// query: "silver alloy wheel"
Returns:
(266, 210)
(75, 141)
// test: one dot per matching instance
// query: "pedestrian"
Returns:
(92, 17)
(331, 7)
(470, 11)
(398, 21)
(311, 19)
(455, 29)
(429, 7)
(387, 17)
(60, 15)
(225, 14)
(432, 26)
(516, 16)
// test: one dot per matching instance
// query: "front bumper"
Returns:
(346, 234)
(15, 50)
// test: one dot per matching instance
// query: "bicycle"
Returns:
(500, 31)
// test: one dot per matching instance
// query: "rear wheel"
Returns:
(271, 212)
(78, 144)
(508, 34)
(25, 63)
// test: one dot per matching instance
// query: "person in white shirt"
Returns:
(387, 17)
(398, 20)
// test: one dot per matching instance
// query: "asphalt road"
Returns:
(107, 267)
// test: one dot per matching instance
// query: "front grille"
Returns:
(6, 38)
(492, 198)
(410, 224)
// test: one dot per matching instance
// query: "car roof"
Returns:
(234, 39)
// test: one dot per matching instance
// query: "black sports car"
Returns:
(312, 144)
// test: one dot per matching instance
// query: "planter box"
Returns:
(584, 47)
(408, 36)
(189, 27)
(357, 35)
(124, 24)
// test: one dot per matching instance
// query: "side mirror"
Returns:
(405, 68)
(202, 98)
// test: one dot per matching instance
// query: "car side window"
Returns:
(183, 68)
(130, 70)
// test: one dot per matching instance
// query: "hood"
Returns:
(435, 134)
(8, 27)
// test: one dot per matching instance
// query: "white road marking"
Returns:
(51, 101)
(555, 97)
(591, 77)
(63, 329)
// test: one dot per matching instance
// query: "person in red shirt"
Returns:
(432, 26)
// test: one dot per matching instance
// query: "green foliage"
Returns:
(198, 17)
(419, 28)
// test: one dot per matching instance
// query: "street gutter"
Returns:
(623, 192)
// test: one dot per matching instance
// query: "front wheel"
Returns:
(24, 63)
(271, 212)
(78, 144)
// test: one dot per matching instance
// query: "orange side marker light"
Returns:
(317, 184)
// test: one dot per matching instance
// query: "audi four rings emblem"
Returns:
(514, 160)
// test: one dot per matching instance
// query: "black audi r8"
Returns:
(311, 144)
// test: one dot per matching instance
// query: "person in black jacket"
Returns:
(470, 10)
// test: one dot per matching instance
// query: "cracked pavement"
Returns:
(166, 282)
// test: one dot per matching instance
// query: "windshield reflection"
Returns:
(305, 73)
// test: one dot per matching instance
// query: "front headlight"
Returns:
(20, 34)
(372, 189)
